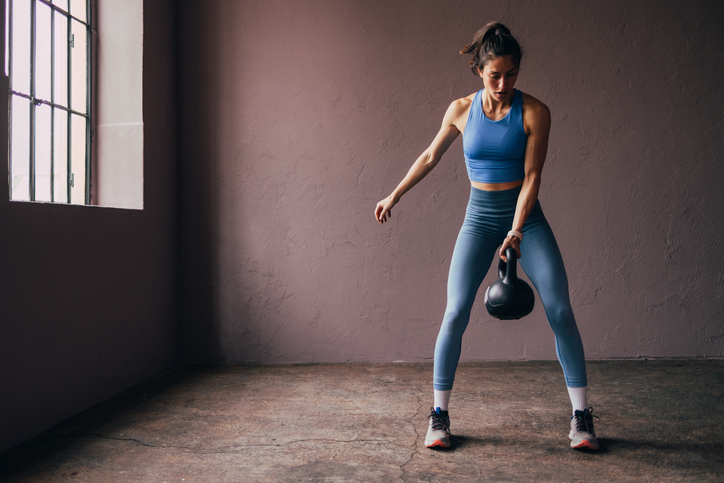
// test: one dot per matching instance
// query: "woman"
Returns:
(505, 139)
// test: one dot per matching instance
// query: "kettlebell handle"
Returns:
(507, 271)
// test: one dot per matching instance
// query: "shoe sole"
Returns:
(438, 443)
(585, 444)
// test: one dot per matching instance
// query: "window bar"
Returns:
(65, 12)
(39, 102)
(88, 71)
(69, 164)
(10, 96)
(9, 19)
(52, 101)
(32, 100)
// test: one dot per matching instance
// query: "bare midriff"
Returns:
(496, 186)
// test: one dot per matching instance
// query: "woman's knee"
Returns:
(455, 320)
(560, 316)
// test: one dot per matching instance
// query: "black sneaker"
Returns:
(438, 431)
(582, 434)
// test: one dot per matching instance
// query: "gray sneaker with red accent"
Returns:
(582, 434)
(438, 431)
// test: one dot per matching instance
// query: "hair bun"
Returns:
(491, 41)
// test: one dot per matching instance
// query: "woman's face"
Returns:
(499, 76)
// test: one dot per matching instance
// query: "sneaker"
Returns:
(582, 434)
(438, 432)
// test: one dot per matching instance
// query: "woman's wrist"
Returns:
(516, 234)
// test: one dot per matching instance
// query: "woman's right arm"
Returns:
(427, 160)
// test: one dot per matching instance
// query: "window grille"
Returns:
(48, 62)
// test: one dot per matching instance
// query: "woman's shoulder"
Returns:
(463, 104)
(458, 111)
(533, 105)
(535, 114)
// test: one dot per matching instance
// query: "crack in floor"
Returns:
(230, 449)
(104, 436)
(413, 420)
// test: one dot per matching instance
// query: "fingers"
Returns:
(385, 215)
(382, 212)
(512, 242)
(501, 252)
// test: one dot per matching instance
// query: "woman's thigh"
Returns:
(542, 261)
(470, 262)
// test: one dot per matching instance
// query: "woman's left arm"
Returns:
(537, 122)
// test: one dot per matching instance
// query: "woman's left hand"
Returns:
(511, 241)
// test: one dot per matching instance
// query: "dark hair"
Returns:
(493, 40)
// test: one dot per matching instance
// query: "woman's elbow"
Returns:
(430, 160)
(532, 179)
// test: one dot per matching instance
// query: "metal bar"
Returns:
(32, 104)
(10, 95)
(10, 43)
(64, 12)
(69, 163)
(39, 101)
(52, 111)
(88, 103)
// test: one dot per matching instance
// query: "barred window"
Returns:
(48, 62)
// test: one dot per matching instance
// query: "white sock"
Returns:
(442, 399)
(579, 398)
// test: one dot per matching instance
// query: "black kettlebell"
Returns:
(509, 297)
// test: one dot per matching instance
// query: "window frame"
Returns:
(34, 101)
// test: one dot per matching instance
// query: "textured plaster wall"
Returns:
(298, 116)
(88, 294)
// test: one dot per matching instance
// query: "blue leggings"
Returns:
(488, 218)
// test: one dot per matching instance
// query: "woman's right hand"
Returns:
(384, 208)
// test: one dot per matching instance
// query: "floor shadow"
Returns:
(606, 444)
(50, 448)
(462, 441)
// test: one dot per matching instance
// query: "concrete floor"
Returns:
(660, 421)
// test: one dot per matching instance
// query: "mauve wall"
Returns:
(88, 294)
(298, 116)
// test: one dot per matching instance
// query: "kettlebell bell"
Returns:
(509, 297)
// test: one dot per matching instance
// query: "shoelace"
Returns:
(438, 422)
(584, 421)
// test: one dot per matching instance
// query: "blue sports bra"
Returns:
(495, 150)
